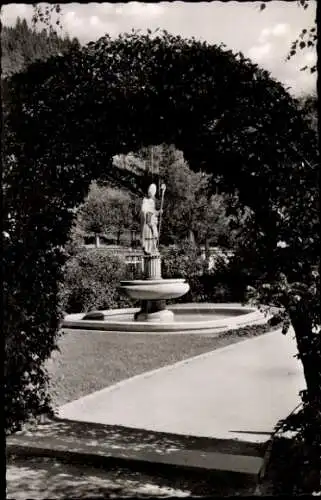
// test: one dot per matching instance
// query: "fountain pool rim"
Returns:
(249, 315)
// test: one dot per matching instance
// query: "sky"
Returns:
(265, 37)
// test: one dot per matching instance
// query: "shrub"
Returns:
(185, 261)
(227, 281)
(91, 281)
(32, 314)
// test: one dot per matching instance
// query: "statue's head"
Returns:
(152, 191)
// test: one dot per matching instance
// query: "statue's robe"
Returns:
(149, 231)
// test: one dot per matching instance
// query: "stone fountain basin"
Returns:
(151, 289)
(200, 319)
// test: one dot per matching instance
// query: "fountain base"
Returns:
(153, 292)
(198, 319)
(154, 311)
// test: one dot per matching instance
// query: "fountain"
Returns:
(153, 291)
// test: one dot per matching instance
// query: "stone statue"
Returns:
(149, 222)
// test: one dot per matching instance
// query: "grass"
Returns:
(89, 361)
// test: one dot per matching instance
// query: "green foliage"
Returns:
(289, 470)
(309, 106)
(182, 186)
(105, 210)
(189, 209)
(182, 261)
(31, 315)
(185, 261)
(22, 45)
(227, 281)
(91, 281)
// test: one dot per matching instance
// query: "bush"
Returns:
(91, 281)
(32, 314)
(185, 261)
(289, 470)
(226, 282)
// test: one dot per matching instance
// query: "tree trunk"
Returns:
(97, 241)
(118, 237)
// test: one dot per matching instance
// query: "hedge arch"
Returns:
(66, 118)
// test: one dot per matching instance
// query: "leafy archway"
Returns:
(67, 117)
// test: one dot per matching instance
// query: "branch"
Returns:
(307, 38)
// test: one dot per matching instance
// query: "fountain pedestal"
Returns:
(154, 310)
(152, 267)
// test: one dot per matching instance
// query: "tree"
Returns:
(231, 120)
(163, 163)
(21, 45)
(181, 191)
(105, 210)
(211, 223)
(189, 211)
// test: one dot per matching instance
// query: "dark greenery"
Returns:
(66, 118)
(185, 261)
(22, 45)
(227, 281)
(309, 106)
(91, 282)
(288, 471)
(106, 210)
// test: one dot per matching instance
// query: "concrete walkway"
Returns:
(237, 392)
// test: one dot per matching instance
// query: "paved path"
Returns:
(237, 392)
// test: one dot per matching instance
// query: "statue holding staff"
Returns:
(149, 222)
